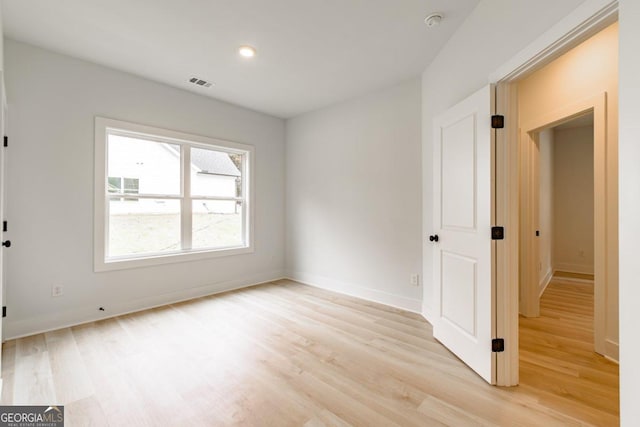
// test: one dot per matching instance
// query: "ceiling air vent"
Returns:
(200, 82)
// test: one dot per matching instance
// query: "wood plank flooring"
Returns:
(281, 354)
(557, 358)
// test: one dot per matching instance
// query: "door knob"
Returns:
(6, 243)
(433, 238)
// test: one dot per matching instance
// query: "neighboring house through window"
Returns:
(164, 196)
(120, 185)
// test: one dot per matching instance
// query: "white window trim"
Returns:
(102, 127)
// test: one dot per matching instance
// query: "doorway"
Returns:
(574, 75)
(559, 207)
(558, 355)
(565, 185)
(580, 84)
(577, 89)
(566, 201)
(589, 83)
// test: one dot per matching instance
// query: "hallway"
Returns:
(557, 360)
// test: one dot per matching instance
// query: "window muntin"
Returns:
(168, 197)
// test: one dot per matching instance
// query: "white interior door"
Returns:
(462, 223)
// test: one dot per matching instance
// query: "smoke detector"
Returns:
(199, 82)
(433, 20)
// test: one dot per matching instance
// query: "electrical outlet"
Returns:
(57, 290)
(415, 280)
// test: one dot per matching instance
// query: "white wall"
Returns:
(1, 43)
(573, 237)
(353, 196)
(629, 146)
(52, 102)
(546, 212)
(490, 36)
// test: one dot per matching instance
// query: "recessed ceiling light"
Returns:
(247, 51)
(433, 20)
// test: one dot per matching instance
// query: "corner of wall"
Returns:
(545, 281)
(357, 291)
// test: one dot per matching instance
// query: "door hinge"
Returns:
(497, 345)
(4, 226)
(6, 141)
(4, 311)
(497, 233)
(497, 121)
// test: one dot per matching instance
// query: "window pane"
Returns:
(131, 186)
(143, 226)
(217, 224)
(115, 184)
(149, 167)
(215, 173)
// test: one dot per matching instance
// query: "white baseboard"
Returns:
(404, 303)
(573, 268)
(572, 279)
(50, 322)
(612, 350)
(545, 282)
(428, 314)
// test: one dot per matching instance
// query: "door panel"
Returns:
(462, 220)
(459, 286)
(458, 175)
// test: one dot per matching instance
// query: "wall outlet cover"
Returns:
(415, 279)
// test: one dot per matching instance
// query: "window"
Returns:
(164, 196)
(121, 185)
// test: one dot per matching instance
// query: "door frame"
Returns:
(585, 21)
(3, 207)
(528, 135)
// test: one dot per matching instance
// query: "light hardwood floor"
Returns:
(274, 355)
(557, 360)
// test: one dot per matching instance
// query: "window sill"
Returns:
(101, 265)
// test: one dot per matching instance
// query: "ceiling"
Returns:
(311, 53)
